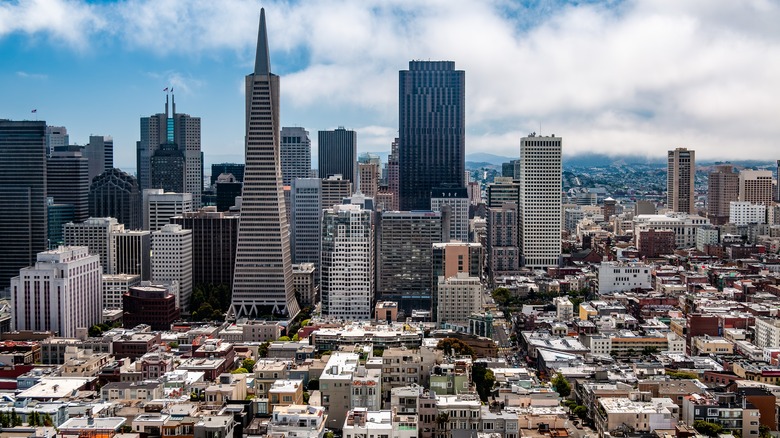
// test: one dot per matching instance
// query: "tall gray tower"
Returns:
(262, 281)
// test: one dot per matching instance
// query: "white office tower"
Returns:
(457, 200)
(61, 293)
(172, 261)
(347, 280)
(116, 285)
(95, 233)
(458, 297)
(295, 152)
(540, 201)
(56, 136)
(744, 213)
(161, 206)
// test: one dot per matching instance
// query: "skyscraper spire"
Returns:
(262, 57)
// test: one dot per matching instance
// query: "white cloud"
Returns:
(639, 76)
(26, 75)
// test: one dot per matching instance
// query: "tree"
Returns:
(580, 411)
(16, 420)
(502, 296)
(239, 371)
(314, 385)
(296, 338)
(455, 346)
(306, 396)
(561, 385)
(284, 339)
(647, 351)
(174, 345)
(249, 364)
(484, 380)
(707, 428)
(329, 434)
(378, 352)
(262, 350)
(764, 431)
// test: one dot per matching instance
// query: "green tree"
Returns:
(306, 397)
(305, 322)
(248, 364)
(296, 338)
(502, 296)
(314, 385)
(764, 431)
(5, 419)
(484, 380)
(580, 411)
(284, 339)
(241, 370)
(16, 420)
(707, 428)
(647, 351)
(47, 421)
(329, 434)
(378, 352)
(455, 346)
(262, 350)
(561, 385)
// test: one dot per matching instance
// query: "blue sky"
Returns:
(634, 77)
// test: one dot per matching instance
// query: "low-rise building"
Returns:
(298, 421)
(638, 413)
(285, 393)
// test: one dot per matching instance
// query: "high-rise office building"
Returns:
(115, 193)
(723, 188)
(295, 151)
(305, 220)
(56, 136)
(227, 189)
(755, 186)
(160, 207)
(457, 200)
(180, 129)
(681, 174)
(150, 304)
(503, 251)
(405, 257)
(23, 224)
(503, 190)
(172, 260)
(95, 233)
(67, 181)
(235, 169)
(100, 153)
(540, 197)
(133, 249)
(431, 142)
(168, 169)
(214, 236)
(393, 177)
(262, 281)
(337, 154)
(450, 258)
(347, 278)
(61, 292)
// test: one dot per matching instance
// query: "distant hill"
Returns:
(490, 159)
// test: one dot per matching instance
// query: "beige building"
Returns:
(681, 173)
(458, 297)
(723, 187)
(755, 186)
(285, 393)
(638, 413)
(369, 178)
(345, 385)
(767, 333)
(402, 367)
(711, 345)
(303, 281)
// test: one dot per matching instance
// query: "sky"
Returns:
(613, 77)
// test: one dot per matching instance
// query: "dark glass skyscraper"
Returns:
(431, 117)
(23, 224)
(115, 193)
(337, 154)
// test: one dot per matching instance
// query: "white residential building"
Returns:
(767, 333)
(298, 421)
(345, 385)
(172, 260)
(564, 309)
(95, 233)
(116, 285)
(362, 423)
(684, 226)
(457, 201)
(161, 206)
(347, 279)
(621, 277)
(540, 212)
(61, 293)
(459, 297)
(743, 213)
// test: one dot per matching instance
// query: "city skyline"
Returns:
(650, 75)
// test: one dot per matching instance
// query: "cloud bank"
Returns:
(637, 77)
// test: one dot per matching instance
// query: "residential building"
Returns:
(262, 279)
(172, 261)
(405, 257)
(458, 297)
(742, 213)
(502, 241)
(299, 421)
(285, 393)
(431, 140)
(457, 200)
(731, 411)
(636, 413)
(60, 293)
(621, 277)
(564, 309)
(22, 195)
(305, 283)
(451, 258)
(345, 385)
(337, 154)
(295, 153)
(767, 333)
(115, 193)
(539, 212)
(683, 226)
(723, 188)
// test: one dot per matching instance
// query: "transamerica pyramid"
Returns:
(262, 281)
